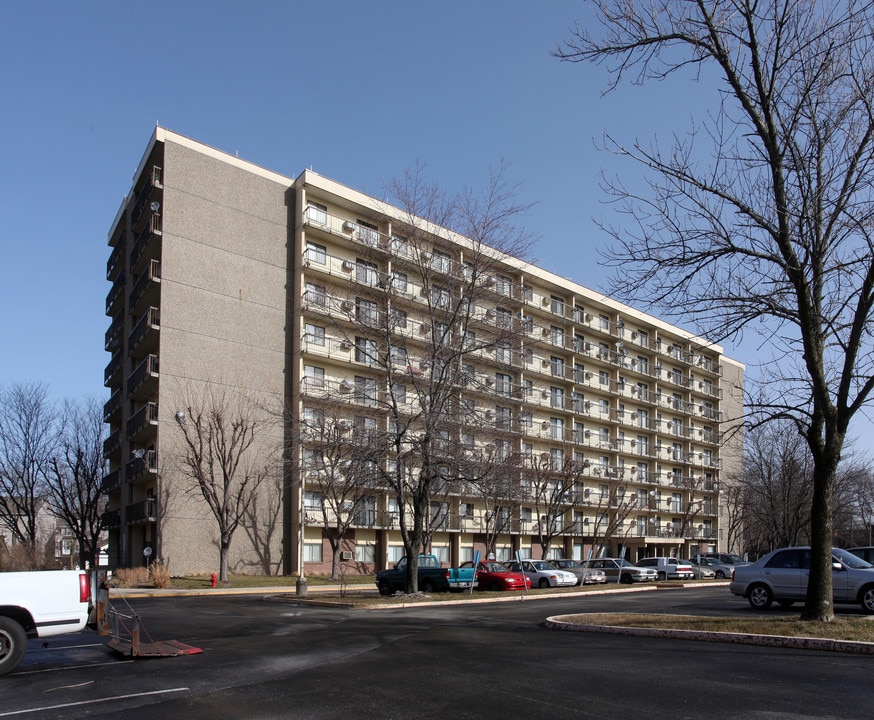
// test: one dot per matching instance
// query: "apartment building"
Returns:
(224, 274)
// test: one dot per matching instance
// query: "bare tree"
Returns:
(75, 475)
(775, 230)
(221, 459)
(28, 438)
(494, 481)
(551, 483)
(263, 523)
(611, 505)
(340, 460)
(421, 364)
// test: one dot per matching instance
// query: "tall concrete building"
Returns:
(228, 278)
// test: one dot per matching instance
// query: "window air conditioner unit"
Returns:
(348, 226)
(345, 345)
(346, 555)
(588, 317)
(345, 386)
(346, 306)
(347, 266)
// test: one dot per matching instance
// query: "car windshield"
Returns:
(542, 565)
(736, 558)
(850, 560)
(624, 563)
(567, 564)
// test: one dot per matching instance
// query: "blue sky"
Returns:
(359, 91)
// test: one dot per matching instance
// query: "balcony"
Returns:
(111, 444)
(111, 482)
(153, 181)
(145, 511)
(147, 288)
(143, 246)
(143, 381)
(110, 375)
(142, 469)
(112, 406)
(143, 422)
(111, 339)
(115, 294)
(116, 259)
(144, 336)
(111, 519)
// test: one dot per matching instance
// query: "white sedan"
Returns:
(544, 575)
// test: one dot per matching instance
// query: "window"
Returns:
(556, 428)
(504, 285)
(556, 366)
(556, 459)
(366, 312)
(579, 343)
(440, 261)
(579, 373)
(313, 417)
(503, 383)
(400, 246)
(316, 253)
(527, 388)
(556, 397)
(366, 272)
(579, 430)
(556, 336)
(526, 419)
(314, 376)
(312, 552)
(579, 314)
(365, 553)
(502, 352)
(313, 459)
(503, 317)
(502, 417)
(365, 351)
(317, 213)
(440, 297)
(502, 449)
(315, 294)
(467, 440)
(399, 281)
(314, 335)
(368, 233)
(313, 501)
(400, 393)
(577, 402)
(642, 469)
(365, 391)
(556, 304)
(604, 322)
(397, 355)
(399, 318)
(603, 377)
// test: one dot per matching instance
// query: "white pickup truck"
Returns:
(40, 604)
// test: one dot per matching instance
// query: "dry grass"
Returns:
(846, 628)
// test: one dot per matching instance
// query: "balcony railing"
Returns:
(114, 264)
(145, 416)
(111, 481)
(143, 511)
(147, 280)
(111, 519)
(147, 369)
(151, 320)
(115, 292)
(151, 229)
(140, 466)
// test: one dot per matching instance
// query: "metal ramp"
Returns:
(126, 632)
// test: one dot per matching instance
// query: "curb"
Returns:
(556, 622)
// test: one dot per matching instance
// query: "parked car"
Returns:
(493, 575)
(782, 575)
(702, 570)
(433, 577)
(622, 570)
(543, 575)
(729, 559)
(866, 553)
(668, 568)
(585, 576)
(721, 569)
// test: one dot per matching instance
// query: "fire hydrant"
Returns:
(212, 580)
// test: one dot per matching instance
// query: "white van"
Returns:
(668, 568)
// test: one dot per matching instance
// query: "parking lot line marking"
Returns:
(74, 667)
(114, 698)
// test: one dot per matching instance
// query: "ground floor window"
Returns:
(365, 553)
(395, 553)
(312, 552)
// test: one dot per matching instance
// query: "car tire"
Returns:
(866, 598)
(760, 597)
(384, 588)
(720, 575)
(543, 583)
(661, 576)
(786, 604)
(428, 586)
(625, 579)
(13, 644)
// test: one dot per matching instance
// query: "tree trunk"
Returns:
(819, 604)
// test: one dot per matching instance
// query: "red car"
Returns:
(493, 575)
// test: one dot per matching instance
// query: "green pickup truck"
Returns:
(432, 577)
